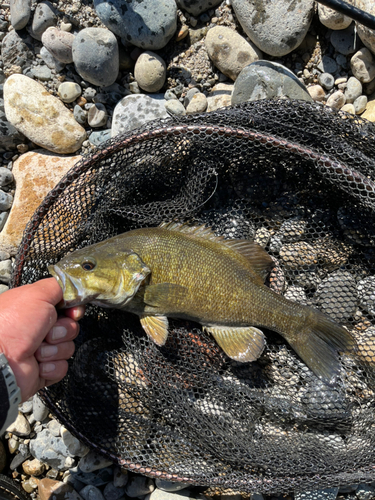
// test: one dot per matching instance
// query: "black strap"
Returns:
(349, 10)
(4, 400)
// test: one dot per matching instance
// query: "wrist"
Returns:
(10, 394)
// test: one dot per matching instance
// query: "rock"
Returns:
(30, 484)
(6, 200)
(110, 492)
(20, 11)
(75, 447)
(326, 80)
(369, 112)
(138, 486)
(120, 477)
(69, 91)
(197, 7)
(35, 173)
(20, 427)
(298, 255)
(317, 494)
(366, 294)
(159, 494)
(96, 56)
(27, 406)
(42, 73)
(276, 27)
(332, 19)
(33, 467)
(3, 288)
(18, 459)
(135, 110)
(50, 489)
(9, 135)
(90, 492)
(97, 115)
(220, 96)
(51, 450)
(367, 35)
(189, 96)
(16, 50)
(296, 294)
(44, 17)
(327, 65)
(12, 444)
(353, 89)
(336, 296)
(344, 40)
(92, 461)
(365, 491)
(40, 410)
(360, 104)
(169, 486)
(336, 100)
(3, 218)
(99, 478)
(150, 71)
(51, 61)
(348, 108)
(316, 92)
(59, 43)
(5, 271)
(54, 427)
(198, 104)
(99, 137)
(147, 24)
(175, 107)
(363, 65)
(80, 114)
(229, 51)
(266, 80)
(41, 117)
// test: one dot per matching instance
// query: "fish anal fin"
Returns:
(164, 295)
(261, 263)
(239, 343)
(156, 328)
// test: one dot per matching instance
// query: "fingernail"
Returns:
(48, 367)
(58, 332)
(47, 351)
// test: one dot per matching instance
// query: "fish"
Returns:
(177, 270)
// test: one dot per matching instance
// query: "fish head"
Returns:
(108, 278)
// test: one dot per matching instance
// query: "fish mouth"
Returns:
(73, 293)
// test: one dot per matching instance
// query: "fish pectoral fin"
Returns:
(239, 343)
(156, 328)
(163, 295)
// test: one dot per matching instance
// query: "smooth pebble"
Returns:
(332, 19)
(69, 91)
(97, 115)
(362, 64)
(44, 17)
(353, 89)
(20, 11)
(336, 100)
(150, 71)
(59, 43)
(175, 107)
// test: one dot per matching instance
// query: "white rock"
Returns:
(219, 97)
(150, 71)
(92, 461)
(336, 100)
(75, 447)
(20, 426)
(316, 92)
(5, 270)
(363, 65)
(69, 91)
(332, 19)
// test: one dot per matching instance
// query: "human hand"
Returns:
(35, 341)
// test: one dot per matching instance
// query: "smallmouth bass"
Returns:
(181, 271)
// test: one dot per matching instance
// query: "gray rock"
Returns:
(40, 410)
(5, 274)
(54, 427)
(6, 256)
(150, 71)
(59, 43)
(19, 459)
(75, 447)
(96, 56)
(3, 218)
(97, 115)
(367, 35)
(169, 486)
(327, 65)
(27, 406)
(89, 93)
(326, 80)
(147, 24)
(51, 61)
(266, 80)
(92, 461)
(197, 7)
(42, 73)
(98, 137)
(353, 89)
(51, 450)
(323, 494)
(6, 176)
(336, 100)
(360, 104)
(189, 95)
(170, 95)
(110, 492)
(6, 200)
(44, 17)
(276, 27)
(198, 104)
(138, 486)
(16, 50)
(366, 294)
(337, 296)
(365, 492)
(99, 478)
(90, 492)
(120, 477)
(135, 110)
(9, 135)
(344, 40)
(175, 107)
(80, 114)
(20, 11)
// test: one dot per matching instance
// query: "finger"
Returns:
(47, 352)
(75, 313)
(64, 329)
(53, 372)
(47, 290)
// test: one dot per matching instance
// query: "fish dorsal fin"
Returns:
(259, 260)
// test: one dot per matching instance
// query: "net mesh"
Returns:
(298, 178)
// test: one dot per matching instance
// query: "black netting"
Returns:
(300, 180)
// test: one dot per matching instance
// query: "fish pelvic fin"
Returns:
(239, 343)
(319, 343)
(156, 328)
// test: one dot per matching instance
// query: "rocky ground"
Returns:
(76, 73)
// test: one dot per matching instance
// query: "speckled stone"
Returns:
(198, 104)
(20, 11)
(220, 96)
(59, 43)
(146, 24)
(135, 110)
(267, 80)
(98, 137)
(360, 104)
(69, 91)
(336, 100)
(353, 89)
(363, 65)
(276, 27)
(44, 17)
(175, 107)
(139, 486)
(41, 117)
(316, 92)
(229, 51)
(150, 71)
(97, 115)
(344, 40)
(15, 51)
(326, 80)
(96, 56)
(92, 461)
(6, 200)
(332, 19)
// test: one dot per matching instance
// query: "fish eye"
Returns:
(88, 265)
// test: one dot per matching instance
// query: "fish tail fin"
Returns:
(319, 343)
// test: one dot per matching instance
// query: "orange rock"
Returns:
(35, 174)
(49, 489)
